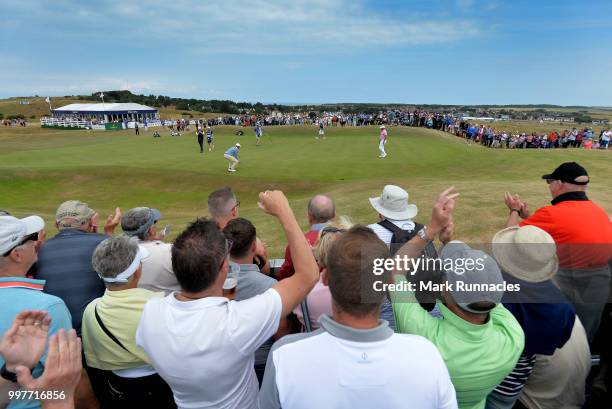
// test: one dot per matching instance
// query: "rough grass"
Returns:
(39, 168)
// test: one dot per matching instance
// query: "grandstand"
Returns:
(102, 115)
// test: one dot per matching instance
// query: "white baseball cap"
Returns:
(238, 145)
(13, 230)
(382, 127)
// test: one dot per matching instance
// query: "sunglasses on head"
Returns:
(331, 229)
(29, 237)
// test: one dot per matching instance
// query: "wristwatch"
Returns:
(423, 234)
(8, 375)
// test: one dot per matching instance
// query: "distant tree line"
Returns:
(232, 107)
(192, 104)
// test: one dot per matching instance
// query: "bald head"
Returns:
(321, 209)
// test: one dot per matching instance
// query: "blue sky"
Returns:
(417, 51)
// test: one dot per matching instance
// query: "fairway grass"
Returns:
(40, 168)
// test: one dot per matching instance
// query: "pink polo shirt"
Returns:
(319, 303)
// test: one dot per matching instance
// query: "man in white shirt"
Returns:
(392, 206)
(355, 360)
(605, 139)
(395, 228)
(203, 344)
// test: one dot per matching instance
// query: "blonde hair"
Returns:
(324, 241)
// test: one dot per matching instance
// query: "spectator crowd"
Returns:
(97, 318)
(484, 134)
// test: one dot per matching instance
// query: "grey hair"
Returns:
(221, 202)
(114, 255)
(134, 219)
(321, 208)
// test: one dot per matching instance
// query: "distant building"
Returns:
(102, 116)
(107, 112)
(477, 118)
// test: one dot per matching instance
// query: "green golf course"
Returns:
(40, 168)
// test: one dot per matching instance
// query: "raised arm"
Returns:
(295, 288)
(409, 316)
(441, 220)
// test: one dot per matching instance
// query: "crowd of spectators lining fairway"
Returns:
(14, 122)
(484, 134)
(202, 322)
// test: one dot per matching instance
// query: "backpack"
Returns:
(400, 236)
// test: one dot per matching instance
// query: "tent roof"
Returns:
(106, 107)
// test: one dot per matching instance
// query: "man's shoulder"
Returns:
(70, 239)
(503, 320)
(312, 236)
(260, 278)
(252, 283)
(414, 342)
(295, 339)
(152, 310)
(156, 246)
(44, 301)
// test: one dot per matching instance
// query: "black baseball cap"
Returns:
(569, 172)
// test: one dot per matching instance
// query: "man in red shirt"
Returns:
(583, 233)
(321, 209)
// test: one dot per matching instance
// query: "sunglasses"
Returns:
(29, 237)
(236, 205)
(331, 229)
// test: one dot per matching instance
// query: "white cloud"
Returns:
(249, 26)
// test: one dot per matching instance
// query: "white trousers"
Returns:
(381, 147)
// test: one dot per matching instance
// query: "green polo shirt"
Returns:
(478, 357)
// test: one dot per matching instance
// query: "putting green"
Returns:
(40, 168)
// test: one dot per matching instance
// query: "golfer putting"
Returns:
(232, 156)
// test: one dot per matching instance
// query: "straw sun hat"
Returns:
(527, 253)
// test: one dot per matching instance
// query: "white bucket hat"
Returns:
(393, 204)
(527, 253)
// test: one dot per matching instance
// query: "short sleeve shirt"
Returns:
(204, 349)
